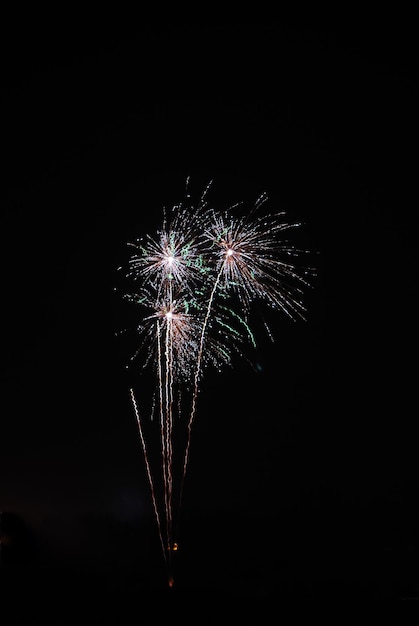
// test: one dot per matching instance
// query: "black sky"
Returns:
(99, 131)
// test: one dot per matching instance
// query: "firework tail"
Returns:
(147, 464)
(196, 382)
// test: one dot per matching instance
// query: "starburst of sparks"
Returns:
(197, 280)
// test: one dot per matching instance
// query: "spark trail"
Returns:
(149, 476)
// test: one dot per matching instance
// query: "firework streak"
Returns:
(196, 281)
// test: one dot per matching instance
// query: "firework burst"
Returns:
(197, 280)
(254, 259)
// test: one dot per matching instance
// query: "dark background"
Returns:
(303, 477)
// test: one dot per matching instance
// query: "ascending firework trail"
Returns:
(196, 281)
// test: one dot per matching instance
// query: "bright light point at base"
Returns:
(169, 315)
(229, 252)
(170, 260)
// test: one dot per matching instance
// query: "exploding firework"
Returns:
(196, 282)
(254, 259)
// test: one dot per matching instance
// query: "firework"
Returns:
(196, 282)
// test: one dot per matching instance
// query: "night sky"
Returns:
(304, 475)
